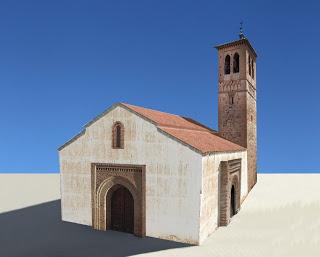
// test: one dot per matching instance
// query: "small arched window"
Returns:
(252, 67)
(227, 65)
(118, 135)
(231, 98)
(236, 63)
(249, 65)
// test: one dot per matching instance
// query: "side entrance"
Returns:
(118, 197)
(229, 190)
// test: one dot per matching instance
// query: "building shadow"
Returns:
(38, 231)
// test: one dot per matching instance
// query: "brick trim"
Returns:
(105, 179)
(236, 43)
(115, 135)
(229, 175)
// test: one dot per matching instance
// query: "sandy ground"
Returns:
(279, 218)
(22, 190)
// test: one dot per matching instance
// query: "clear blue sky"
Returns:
(64, 62)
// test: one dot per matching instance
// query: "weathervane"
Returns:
(241, 35)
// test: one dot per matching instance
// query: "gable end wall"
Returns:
(173, 174)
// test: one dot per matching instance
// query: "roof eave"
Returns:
(237, 42)
(225, 151)
(72, 139)
(203, 153)
(88, 124)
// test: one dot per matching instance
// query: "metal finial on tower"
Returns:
(241, 35)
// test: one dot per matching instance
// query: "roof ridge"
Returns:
(188, 120)
(149, 109)
(184, 128)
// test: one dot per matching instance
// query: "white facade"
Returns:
(181, 183)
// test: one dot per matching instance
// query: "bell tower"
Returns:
(237, 98)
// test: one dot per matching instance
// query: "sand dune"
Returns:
(280, 217)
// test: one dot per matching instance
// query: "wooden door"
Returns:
(122, 210)
(232, 202)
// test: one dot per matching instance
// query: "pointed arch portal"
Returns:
(232, 202)
(122, 209)
(118, 197)
(229, 190)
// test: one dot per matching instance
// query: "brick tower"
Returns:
(237, 98)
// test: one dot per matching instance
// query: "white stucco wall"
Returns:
(210, 186)
(173, 175)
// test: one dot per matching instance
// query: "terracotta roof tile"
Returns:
(187, 131)
(166, 119)
(204, 141)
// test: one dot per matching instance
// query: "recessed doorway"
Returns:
(122, 210)
(232, 202)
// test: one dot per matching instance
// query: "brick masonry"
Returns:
(237, 102)
(230, 175)
(114, 135)
(105, 179)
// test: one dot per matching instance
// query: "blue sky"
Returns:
(64, 62)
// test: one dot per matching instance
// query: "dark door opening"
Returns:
(122, 210)
(232, 202)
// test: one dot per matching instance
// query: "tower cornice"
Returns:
(237, 42)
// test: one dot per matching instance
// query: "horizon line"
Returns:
(260, 172)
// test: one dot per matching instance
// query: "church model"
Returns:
(156, 174)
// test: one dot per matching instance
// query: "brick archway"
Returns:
(235, 182)
(105, 179)
(120, 209)
(229, 176)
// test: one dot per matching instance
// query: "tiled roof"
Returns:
(187, 131)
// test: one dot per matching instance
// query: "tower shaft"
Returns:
(237, 99)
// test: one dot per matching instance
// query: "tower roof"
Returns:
(237, 42)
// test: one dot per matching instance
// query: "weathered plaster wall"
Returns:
(173, 175)
(210, 187)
